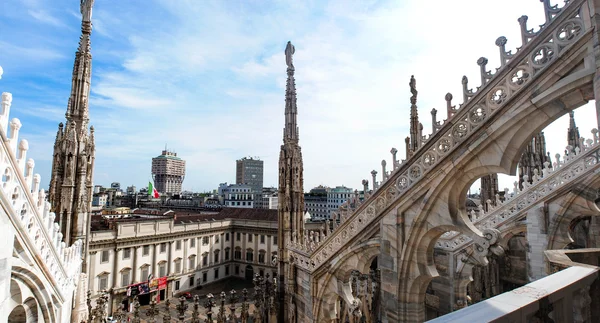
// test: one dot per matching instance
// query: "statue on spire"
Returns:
(86, 9)
(289, 51)
(413, 89)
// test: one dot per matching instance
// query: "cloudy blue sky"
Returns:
(207, 78)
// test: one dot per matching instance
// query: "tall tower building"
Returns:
(291, 187)
(71, 185)
(168, 172)
(249, 171)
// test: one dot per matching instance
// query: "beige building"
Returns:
(178, 250)
(168, 172)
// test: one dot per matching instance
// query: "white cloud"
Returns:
(208, 78)
(45, 17)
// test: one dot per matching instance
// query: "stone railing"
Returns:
(563, 28)
(565, 171)
(28, 207)
(569, 294)
(563, 296)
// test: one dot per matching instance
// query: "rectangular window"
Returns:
(216, 257)
(249, 256)
(145, 250)
(126, 253)
(104, 256)
(144, 276)
(237, 236)
(177, 285)
(227, 254)
(204, 277)
(192, 242)
(191, 281)
(227, 236)
(204, 260)
(204, 241)
(261, 258)
(178, 245)
(216, 238)
(238, 254)
(274, 239)
(262, 238)
(226, 270)
(163, 247)
(216, 273)
(125, 278)
(249, 237)
(103, 282)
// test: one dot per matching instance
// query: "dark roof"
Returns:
(228, 213)
(99, 223)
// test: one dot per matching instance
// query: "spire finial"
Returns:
(86, 10)
(289, 52)
(413, 89)
(291, 110)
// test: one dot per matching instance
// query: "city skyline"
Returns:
(168, 78)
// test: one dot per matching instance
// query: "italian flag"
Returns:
(152, 191)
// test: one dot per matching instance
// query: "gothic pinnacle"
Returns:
(291, 111)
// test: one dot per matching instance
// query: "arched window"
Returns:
(177, 263)
(145, 269)
(192, 262)
(205, 259)
(238, 253)
(216, 259)
(249, 255)
(125, 276)
(162, 268)
(102, 281)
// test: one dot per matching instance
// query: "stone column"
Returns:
(198, 247)
(169, 258)
(211, 249)
(255, 253)
(391, 247)
(153, 266)
(115, 279)
(115, 273)
(537, 237)
(222, 249)
(134, 264)
(185, 259)
(244, 239)
(92, 283)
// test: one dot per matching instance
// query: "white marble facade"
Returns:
(39, 274)
(186, 251)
